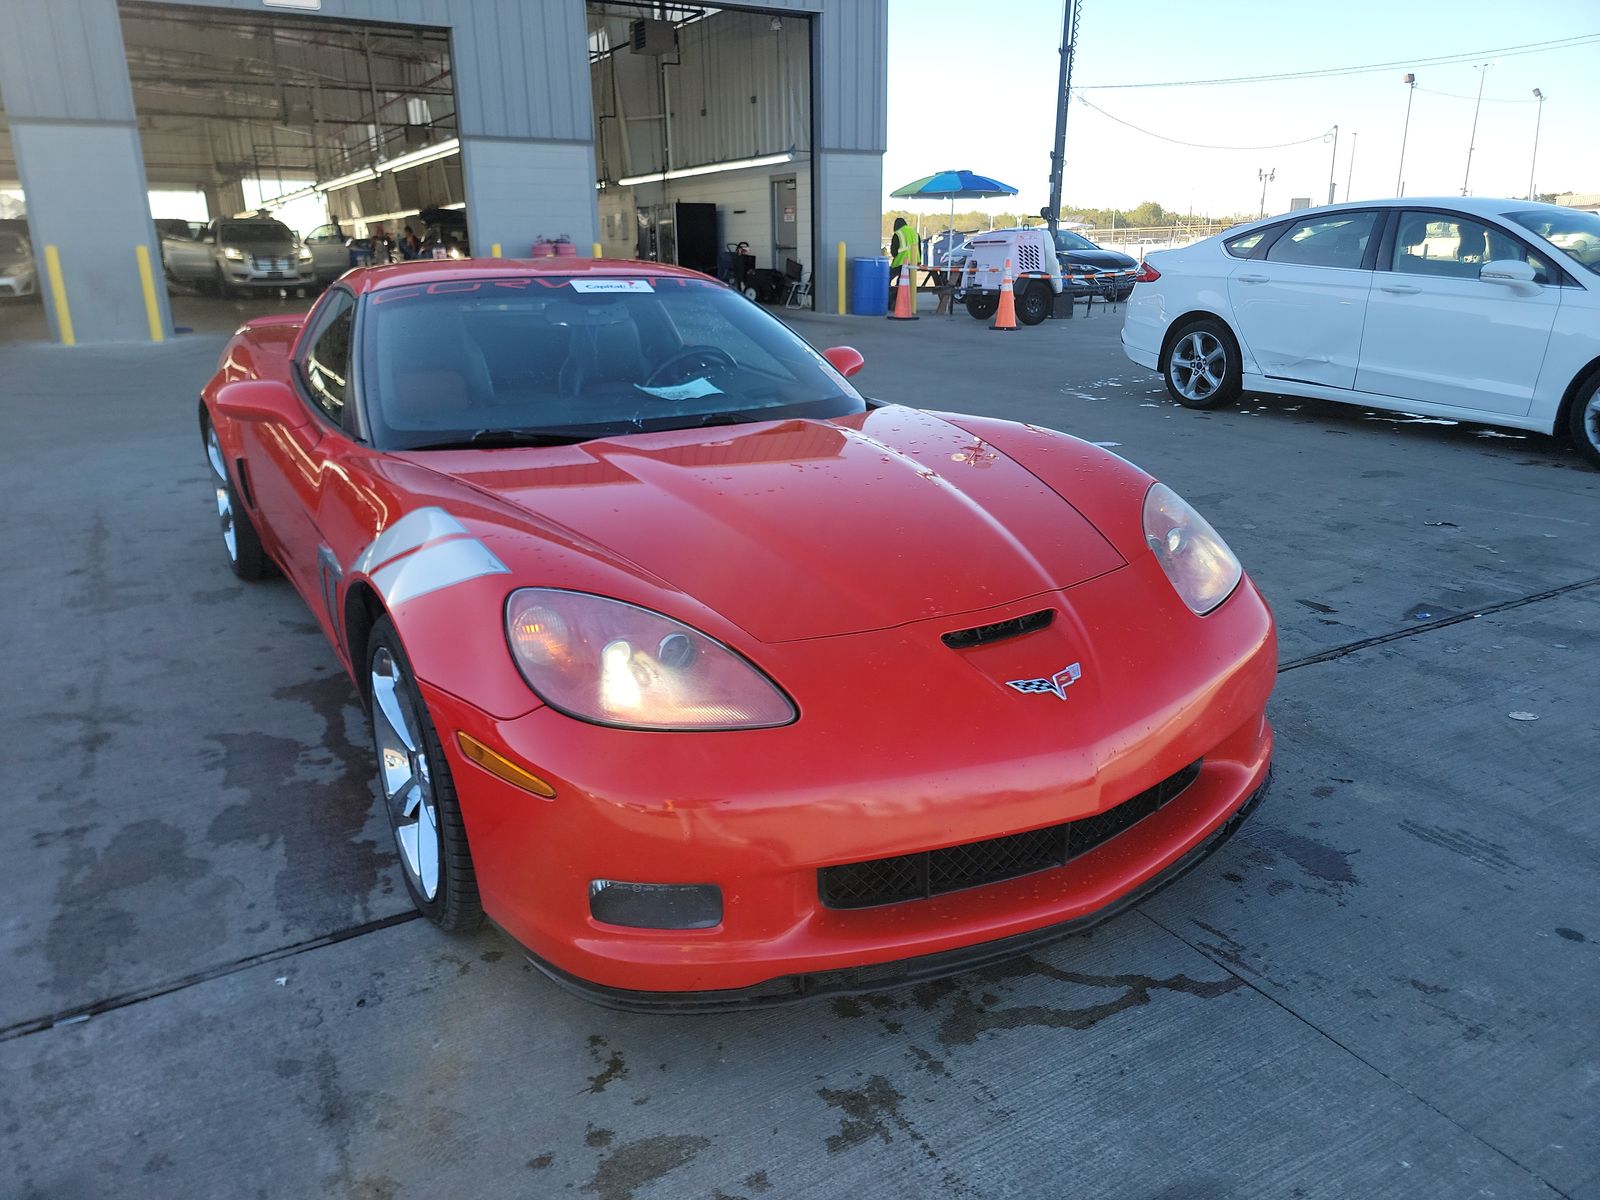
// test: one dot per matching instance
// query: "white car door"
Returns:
(1439, 334)
(1300, 309)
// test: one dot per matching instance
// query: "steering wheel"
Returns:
(705, 357)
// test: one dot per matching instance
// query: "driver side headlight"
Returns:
(617, 664)
(1195, 558)
(305, 254)
(232, 252)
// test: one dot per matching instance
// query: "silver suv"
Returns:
(234, 256)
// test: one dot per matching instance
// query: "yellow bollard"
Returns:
(494, 250)
(597, 251)
(147, 284)
(58, 293)
(841, 279)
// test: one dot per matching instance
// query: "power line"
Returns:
(1486, 99)
(1320, 137)
(1565, 43)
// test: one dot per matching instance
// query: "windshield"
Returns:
(566, 358)
(1573, 230)
(1067, 240)
(12, 246)
(255, 233)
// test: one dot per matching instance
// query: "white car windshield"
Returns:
(543, 358)
(11, 246)
(1573, 230)
(254, 233)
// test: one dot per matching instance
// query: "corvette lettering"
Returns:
(1056, 685)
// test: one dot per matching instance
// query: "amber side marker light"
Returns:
(502, 767)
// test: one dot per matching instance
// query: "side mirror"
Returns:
(1506, 270)
(264, 400)
(846, 360)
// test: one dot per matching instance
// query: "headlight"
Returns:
(617, 664)
(232, 252)
(1196, 559)
(305, 253)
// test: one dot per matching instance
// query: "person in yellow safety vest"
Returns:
(904, 251)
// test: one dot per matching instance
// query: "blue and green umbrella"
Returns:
(953, 186)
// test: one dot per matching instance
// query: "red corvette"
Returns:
(707, 679)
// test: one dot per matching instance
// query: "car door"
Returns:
(1300, 306)
(329, 251)
(289, 466)
(1439, 334)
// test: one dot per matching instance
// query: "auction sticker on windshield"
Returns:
(612, 285)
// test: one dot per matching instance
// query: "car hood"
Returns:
(1102, 260)
(802, 529)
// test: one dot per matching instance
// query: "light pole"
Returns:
(1331, 160)
(1351, 173)
(1266, 177)
(1537, 121)
(1483, 73)
(1400, 171)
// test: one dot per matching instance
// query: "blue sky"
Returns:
(974, 89)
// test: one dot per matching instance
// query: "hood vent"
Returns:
(982, 635)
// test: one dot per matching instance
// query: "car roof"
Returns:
(441, 270)
(1480, 206)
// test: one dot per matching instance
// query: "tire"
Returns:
(1033, 303)
(225, 289)
(1201, 364)
(982, 305)
(418, 793)
(1583, 420)
(1122, 296)
(246, 557)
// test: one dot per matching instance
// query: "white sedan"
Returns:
(1477, 310)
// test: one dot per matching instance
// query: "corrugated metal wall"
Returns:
(852, 55)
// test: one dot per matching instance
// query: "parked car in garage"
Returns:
(17, 272)
(1472, 309)
(647, 692)
(240, 255)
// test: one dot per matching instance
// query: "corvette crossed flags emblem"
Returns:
(1056, 685)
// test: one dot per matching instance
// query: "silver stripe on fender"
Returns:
(416, 528)
(433, 567)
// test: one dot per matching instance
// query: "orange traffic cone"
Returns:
(904, 298)
(1005, 316)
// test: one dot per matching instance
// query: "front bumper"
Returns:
(245, 275)
(17, 285)
(932, 762)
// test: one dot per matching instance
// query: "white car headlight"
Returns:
(618, 664)
(305, 254)
(232, 252)
(1202, 569)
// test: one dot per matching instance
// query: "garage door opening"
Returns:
(703, 141)
(282, 149)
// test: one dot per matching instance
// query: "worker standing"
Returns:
(904, 251)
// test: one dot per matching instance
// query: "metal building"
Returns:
(606, 122)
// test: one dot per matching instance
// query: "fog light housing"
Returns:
(655, 905)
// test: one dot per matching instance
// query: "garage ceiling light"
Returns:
(765, 160)
(427, 154)
(290, 197)
(361, 176)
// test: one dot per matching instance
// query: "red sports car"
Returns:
(706, 678)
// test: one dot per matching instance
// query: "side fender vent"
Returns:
(982, 635)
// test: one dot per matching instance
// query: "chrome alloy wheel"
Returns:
(219, 468)
(1198, 364)
(1591, 420)
(404, 772)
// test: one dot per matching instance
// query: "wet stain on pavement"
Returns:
(634, 1164)
(540, 1161)
(1469, 846)
(1313, 857)
(1571, 935)
(215, 596)
(612, 1066)
(868, 1112)
(598, 1139)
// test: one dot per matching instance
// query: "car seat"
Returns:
(605, 349)
(429, 367)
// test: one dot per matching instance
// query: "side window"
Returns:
(327, 362)
(1244, 243)
(1456, 247)
(1339, 240)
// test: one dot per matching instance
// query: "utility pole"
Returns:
(1332, 160)
(1537, 121)
(1483, 73)
(1351, 172)
(1266, 177)
(1069, 41)
(1399, 173)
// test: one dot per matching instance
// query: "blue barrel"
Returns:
(869, 287)
(360, 256)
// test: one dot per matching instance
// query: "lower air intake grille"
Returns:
(935, 872)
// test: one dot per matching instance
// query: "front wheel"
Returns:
(1584, 423)
(246, 556)
(418, 793)
(1202, 365)
(982, 305)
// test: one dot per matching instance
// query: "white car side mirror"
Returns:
(1507, 270)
